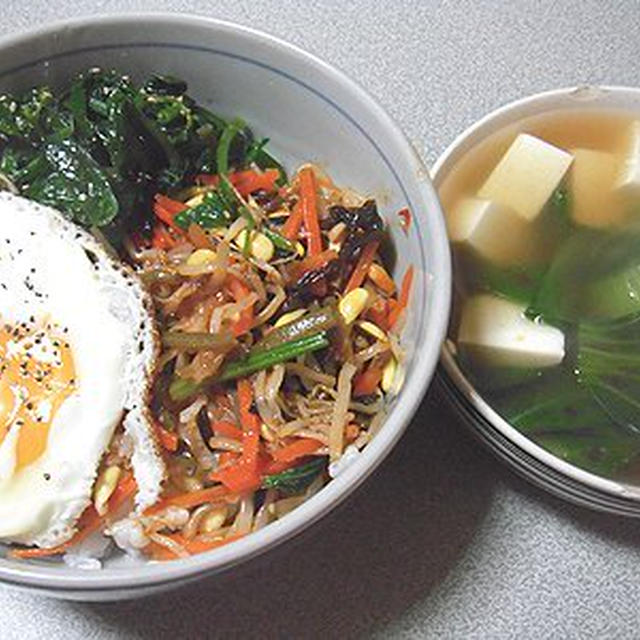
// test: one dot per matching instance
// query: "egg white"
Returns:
(54, 272)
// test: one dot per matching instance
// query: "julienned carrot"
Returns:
(169, 204)
(166, 209)
(245, 475)
(403, 299)
(89, 522)
(244, 323)
(378, 313)
(367, 382)
(245, 399)
(266, 466)
(198, 237)
(125, 489)
(297, 449)
(240, 477)
(161, 238)
(246, 182)
(226, 429)
(198, 546)
(191, 546)
(239, 290)
(291, 227)
(309, 206)
(226, 458)
(168, 439)
(273, 467)
(362, 267)
(166, 217)
(277, 466)
(393, 307)
(190, 499)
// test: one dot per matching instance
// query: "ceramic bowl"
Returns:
(522, 454)
(311, 112)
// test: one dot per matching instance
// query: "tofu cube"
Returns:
(591, 181)
(495, 232)
(627, 181)
(526, 176)
(496, 332)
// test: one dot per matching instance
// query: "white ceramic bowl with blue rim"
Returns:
(311, 112)
(525, 456)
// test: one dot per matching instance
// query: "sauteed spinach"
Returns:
(101, 148)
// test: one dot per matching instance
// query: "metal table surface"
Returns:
(444, 540)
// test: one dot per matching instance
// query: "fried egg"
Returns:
(77, 352)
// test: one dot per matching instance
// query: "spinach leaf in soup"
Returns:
(561, 414)
(589, 277)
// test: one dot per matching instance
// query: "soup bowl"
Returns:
(311, 112)
(530, 460)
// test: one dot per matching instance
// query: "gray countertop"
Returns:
(444, 540)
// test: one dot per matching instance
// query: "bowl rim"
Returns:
(58, 580)
(505, 115)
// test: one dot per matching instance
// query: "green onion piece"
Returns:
(188, 341)
(279, 241)
(254, 149)
(228, 196)
(181, 388)
(251, 225)
(323, 319)
(222, 151)
(297, 479)
(265, 359)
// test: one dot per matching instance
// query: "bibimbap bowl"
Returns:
(311, 113)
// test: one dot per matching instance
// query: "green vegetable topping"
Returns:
(209, 214)
(256, 360)
(323, 319)
(259, 359)
(224, 146)
(68, 179)
(297, 479)
(279, 241)
(100, 150)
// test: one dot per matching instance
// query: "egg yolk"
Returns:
(36, 376)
